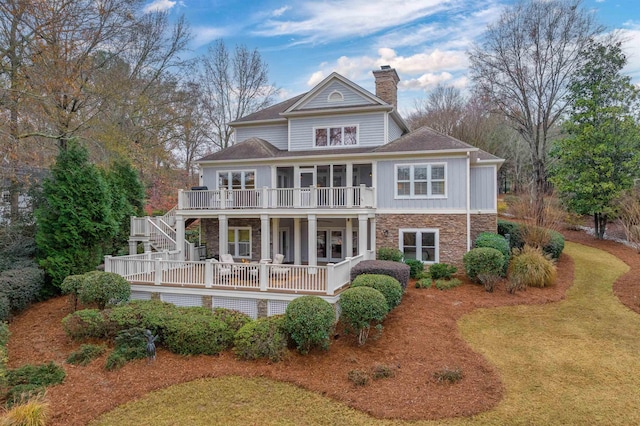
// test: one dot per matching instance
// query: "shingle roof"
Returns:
(423, 139)
(269, 113)
(252, 148)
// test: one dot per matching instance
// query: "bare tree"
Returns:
(442, 110)
(523, 66)
(232, 87)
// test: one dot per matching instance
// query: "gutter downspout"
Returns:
(468, 201)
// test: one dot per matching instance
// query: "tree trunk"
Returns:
(600, 224)
(540, 190)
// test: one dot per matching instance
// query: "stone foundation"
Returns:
(483, 223)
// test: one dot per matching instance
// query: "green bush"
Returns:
(4, 339)
(130, 344)
(5, 307)
(425, 282)
(439, 271)
(4, 333)
(555, 246)
(235, 320)
(21, 286)
(390, 253)
(147, 314)
(85, 354)
(447, 284)
(388, 286)
(85, 324)
(16, 395)
(40, 375)
(398, 270)
(71, 286)
(197, 334)
(360, 308)
(514, 230)
(416, 267)
(263, 338)
(530, 268)
(483, 260)
(104, 288)
(309, 321)
(498, 242)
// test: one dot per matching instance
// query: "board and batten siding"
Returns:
(394, 130)
(370, 129)
(350, 98)
(275, 134)
(483, 188)
(456, 182)
(209, 175)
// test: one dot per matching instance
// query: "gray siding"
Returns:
(483, 188)
(276, 134)
(370, 129)
(456, 181)
(263, 175)
(351, 97)
(394, 130)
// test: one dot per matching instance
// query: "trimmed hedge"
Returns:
(390, 253)
(498, 242)
(85, 324)
(483, 260)
(310, 321)
(103, 288)
(235, 320)
(148, 314)
(197, 334)
(360, 308)
(263, 338)
(21, 286)
(388, 286)
(397, 270)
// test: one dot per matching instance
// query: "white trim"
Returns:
(468, 171)
(420, 211)
(386, 127)
(412, 181)
(236, 230)
(328, 130)
(419, 232)
(242, 171)
(338, 98)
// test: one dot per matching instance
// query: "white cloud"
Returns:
(159, 6)
(280, 11)
(315, 78)
(205, 35)
(426, 81)
(320, 22)
(631, 48)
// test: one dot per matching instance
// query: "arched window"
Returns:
(335, 96)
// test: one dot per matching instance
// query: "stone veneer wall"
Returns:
(452, 231)
(483, 223)
(210, 235)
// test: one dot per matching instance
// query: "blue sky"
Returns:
(424, 40)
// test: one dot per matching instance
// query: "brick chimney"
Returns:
(387, 84)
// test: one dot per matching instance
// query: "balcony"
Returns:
(278, 198)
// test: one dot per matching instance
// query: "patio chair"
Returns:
(277, 270)
(223, 270)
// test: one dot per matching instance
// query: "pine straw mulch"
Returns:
(419, 338)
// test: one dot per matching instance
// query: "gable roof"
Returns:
(269, 113)
(252, 148)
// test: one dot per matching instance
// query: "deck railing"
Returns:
(272, 198)
(163, 269)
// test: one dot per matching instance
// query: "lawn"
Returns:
(569, 362)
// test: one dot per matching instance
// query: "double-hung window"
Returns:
(420, 244)
(421, 180)
(240, 242)
(237, 179)
(336, 136)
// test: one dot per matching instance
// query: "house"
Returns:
(325, 179)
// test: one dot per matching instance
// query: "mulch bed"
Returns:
(419, 338)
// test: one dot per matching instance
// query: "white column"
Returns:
(133, 247)
(373, 235)
(349, 184)
(313, 240)
(264, 237)
(348, 238)
(180, 237)
(275, 240)
(223, 234)
(297, 242)
(362, 234)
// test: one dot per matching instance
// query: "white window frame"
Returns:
(419, 232)
(242, 173)
(328, 130)
(412, 181)
(236, 244)
(335, 96)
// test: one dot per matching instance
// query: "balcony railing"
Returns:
(276, 198)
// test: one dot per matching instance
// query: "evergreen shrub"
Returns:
(416, 267)
(514, 230)
(85, 324)
(197, 334)
(398, 270)
(496, 241)
(390, 253)
(444, 271)
(388, 286)
(309, 321)
(360, 308)
(130, 344)
(85, 354)
(21, 286)
(104, 288)
(263, 338)
(483, 260)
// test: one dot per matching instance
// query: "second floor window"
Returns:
(336, 136)
(420, 181)
(237, 179)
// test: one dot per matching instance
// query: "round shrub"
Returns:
(235, 320)
(309, 320)
(71, 286)
(390, 253)
(531, 268)
(147, 314)
(514, 230)
(197, 334)
(263, 338)
(442, 271)
(388, 286)
(84, 324)
(360, 308)
(21, 286)
(104, 288)
(496, 241)
(483, 260)
(555, 246)
(416, 267)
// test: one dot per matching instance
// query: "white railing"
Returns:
(269, 198)
(159, 238)
(164, 269)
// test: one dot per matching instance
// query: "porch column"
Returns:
(147, 246)
(180, 237)
(362, 234)
(373, 235)
(275, 237)
(348, 238)
(297, 241)
(133, 247)
(313, 240)
(223, 234)
(264, 237)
